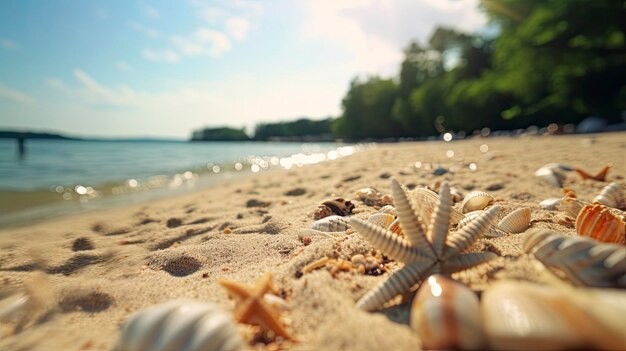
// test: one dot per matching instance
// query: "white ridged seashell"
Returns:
(492, 232)
(383, 220)
(572, 206)
(446, 315)
(584, 261)
(476, 200)
(611, 195)
(525, 316)
(181, 325)
(553, 174)
(331, 224)
(516, 221)
(388, 209)
(425, 201)
(550, 204)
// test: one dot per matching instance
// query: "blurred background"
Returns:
(98, 98)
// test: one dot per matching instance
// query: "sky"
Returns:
(126, 68)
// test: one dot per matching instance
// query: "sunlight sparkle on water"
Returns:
(450, 153)
(484, 148)
(447, 137)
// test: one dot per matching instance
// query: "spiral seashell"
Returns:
(525, 316)
(597, 222)
(180, 325)
(446, 315)
(516, 221)
(381, 219)
(331, 224)
(584, 261)
(476, 200)
(612, 195)
(550, 204)
(340, 206)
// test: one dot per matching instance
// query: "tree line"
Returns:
(538, 62)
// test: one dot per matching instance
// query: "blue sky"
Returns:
(164, 68)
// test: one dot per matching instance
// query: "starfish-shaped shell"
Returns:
(251, 306)
(423, 251)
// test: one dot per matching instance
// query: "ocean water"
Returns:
(57, 177)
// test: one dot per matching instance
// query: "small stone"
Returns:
(257, 203)
(306, 240)
(440, 171)
(174, 222)
(205, 275)
(227, 230)
(494, 187)
(296, 192)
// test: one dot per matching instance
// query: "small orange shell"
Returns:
(597, 222)
(395, 228)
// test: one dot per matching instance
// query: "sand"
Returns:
(103, 266)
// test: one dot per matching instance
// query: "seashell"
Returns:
(322, 211)
(584, 261)
(369, 196)
(381, 219)
(446, 315)
(476, 200)
(611, 195)
(552, 173)
(456, 195)
(331, 224)
(571, 205)
(550, 204)
(516, 221)
(491, 232)
(425, 201)
(395, 228)
(597, 222)
(180, 325)
(388, 209)
(525, 316)
(340, 206)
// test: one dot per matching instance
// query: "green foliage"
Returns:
(220, 134)
(552, 61)
(300, 129)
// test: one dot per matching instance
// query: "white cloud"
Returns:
(211, 14)
(166, 55)
(14, 95)
(122, 66)
(218, 41)
(375, 31)
(150, 11)
(192, 105)
(237, 27)
(150, 32)
(8, 44)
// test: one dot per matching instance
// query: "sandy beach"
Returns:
(104, 266)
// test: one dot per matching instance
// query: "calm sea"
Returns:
(56, 177)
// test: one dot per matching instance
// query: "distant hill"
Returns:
(220, 134)
(7, 134)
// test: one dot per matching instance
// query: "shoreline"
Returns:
(178, 247)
